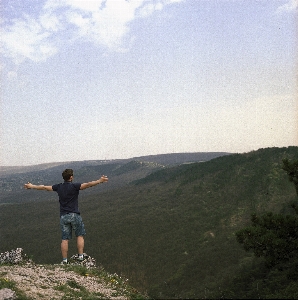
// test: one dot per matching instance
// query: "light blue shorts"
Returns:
(69, 222)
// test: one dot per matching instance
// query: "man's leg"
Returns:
(66, 230)
(64, 248)
(80, 244)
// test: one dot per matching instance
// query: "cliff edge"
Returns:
(21, 278)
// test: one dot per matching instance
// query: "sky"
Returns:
(112, 79)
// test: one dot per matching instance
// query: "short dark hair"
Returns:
(67, 173)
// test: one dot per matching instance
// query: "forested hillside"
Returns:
(120, 172)
(173, 232)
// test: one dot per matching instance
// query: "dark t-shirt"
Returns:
(68, 193)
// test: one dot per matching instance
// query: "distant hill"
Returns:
(163, 159)
(171, 232)
(120, 172)
(172, 159)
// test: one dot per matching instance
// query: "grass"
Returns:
(8, 284)
(72, 290)
(112, 280)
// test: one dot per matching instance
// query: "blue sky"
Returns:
(87, 80)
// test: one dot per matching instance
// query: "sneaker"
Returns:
(80, 259)
(64, 262)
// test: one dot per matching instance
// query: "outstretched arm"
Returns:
(38, 187)
(86, 185)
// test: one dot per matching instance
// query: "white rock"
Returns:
(7, 294)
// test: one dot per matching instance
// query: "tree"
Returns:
(274, 236)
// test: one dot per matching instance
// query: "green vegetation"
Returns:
(114, 280)
(74, 288)
(173, 232)
(5, 283)
(121, 173)
(291, 167)
(273, 237)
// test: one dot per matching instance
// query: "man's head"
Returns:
(66, 174)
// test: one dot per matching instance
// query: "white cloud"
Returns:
(50, 22)
(290, 6)
(107, 26)
(12, 75)
(103, 22)
(26, 39)
(150, 8)
(91, 5)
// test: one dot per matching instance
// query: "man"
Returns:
(70, 218)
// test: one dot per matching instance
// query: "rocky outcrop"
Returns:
(35, 281)
(87, 262)
(17, 256)
(7, 294)
(14, 257)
